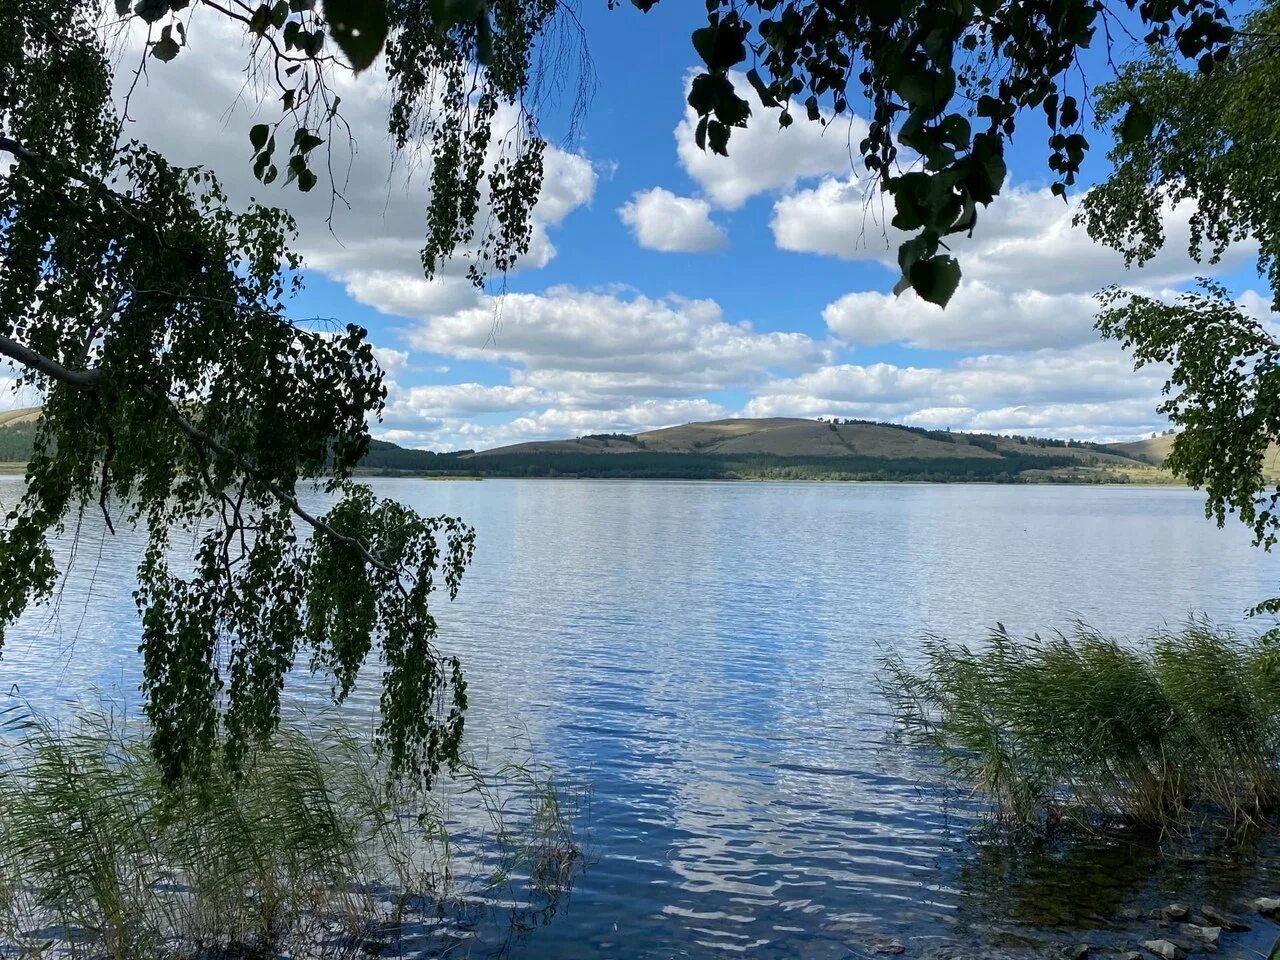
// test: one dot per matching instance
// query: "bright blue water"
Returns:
(703, 656)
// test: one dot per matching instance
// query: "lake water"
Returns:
(703, 656)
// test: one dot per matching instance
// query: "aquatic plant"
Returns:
(311, 849)
(1077, 726)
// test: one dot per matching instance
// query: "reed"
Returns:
(311, 851)
(1078, 727)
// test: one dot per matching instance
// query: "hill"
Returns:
(779, 448)
(1153, 450)
(10, 418)
(785, 448)
(796, 437)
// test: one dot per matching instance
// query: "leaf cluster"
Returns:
(945, 80)
(179, 396)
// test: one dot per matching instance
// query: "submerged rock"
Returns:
(1165, 948)
(888, 945)
(1206, 935)
(1267, 906)
(1216, 917)
(1077, 952)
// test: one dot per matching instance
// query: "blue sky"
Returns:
(667, 285)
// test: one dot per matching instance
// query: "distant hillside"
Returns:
(17, 434)
(777, 448)
(21, 415)
(795, 437)
(1153, 450)
(784, 448)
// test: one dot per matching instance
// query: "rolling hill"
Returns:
(781, 448)
(1153, 450)
(796, 437)
(9, 418)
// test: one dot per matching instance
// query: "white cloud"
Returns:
(1089, 391)
(370, 237)
(570, 330)
(764, 156)
(391, 360)
(554, 423)
(839, 217)
(660, 220)
(1024, 241)
(438, 402)
(979, 317)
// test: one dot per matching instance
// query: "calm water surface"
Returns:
(703, 655)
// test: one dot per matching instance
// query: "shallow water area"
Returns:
(703, 656)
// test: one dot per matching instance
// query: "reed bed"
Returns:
(310, 852)
(1079, 728)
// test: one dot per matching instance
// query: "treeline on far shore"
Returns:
(389, 459)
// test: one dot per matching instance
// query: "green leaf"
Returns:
(762, 91)
(359, 27)
(258, 134)
(720, 45)
(718, 138)
(260, 20)
(1137, 124)
(151, 10)
(165, 49)
(304, 141)
(935, 279)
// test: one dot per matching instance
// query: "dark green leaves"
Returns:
(166, 48)
(935, 279)
(1137, 124)
(258, 134)
(720, 45)
(359, 27)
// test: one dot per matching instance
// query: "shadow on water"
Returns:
(1110, 891)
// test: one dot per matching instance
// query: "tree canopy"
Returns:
(152, 316)
(1207, 141)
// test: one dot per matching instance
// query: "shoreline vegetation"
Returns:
(1076, 730)
(310, 850)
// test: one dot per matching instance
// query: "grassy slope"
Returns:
(21, 415)
(793, 437)
(771, 442)
(1152, 449)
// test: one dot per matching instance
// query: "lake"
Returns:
(703, 657)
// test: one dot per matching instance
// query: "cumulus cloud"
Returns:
(553, 423)
(1089, 391)
(565, 330)
(1029, 274)
(980, 316)
(454, 400)
(370, 236)
(1026, 239)
(391, 360)
(660, 220)
(764, 156)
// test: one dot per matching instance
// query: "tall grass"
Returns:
(311, 852)
(1079, 726)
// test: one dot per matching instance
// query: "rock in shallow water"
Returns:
(1165, 948)
(1176, 911)
(887, 945)
(1216, 917)
(1267, 906)
(1206, 935)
